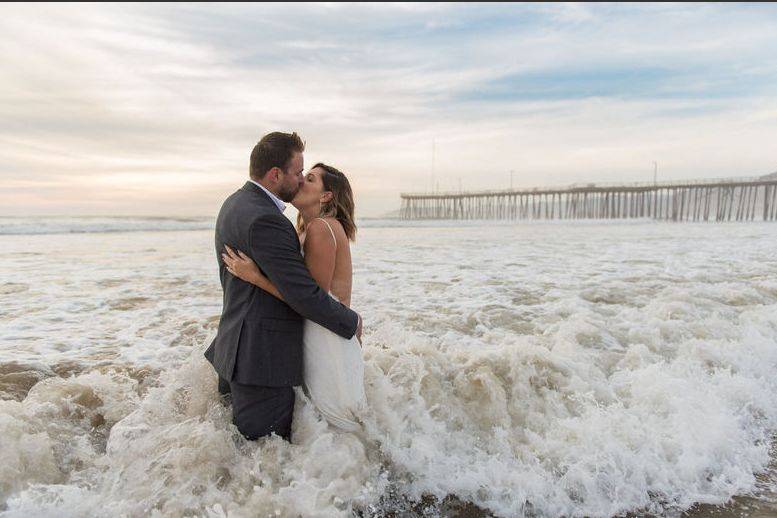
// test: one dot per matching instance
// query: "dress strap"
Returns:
(330, 231)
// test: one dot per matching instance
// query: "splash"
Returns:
(496, 377)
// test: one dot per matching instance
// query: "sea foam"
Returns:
(636, 375)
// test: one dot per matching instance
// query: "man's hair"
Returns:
(274, 150)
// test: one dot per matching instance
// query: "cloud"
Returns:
(146, 108)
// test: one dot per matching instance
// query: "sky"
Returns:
(135, 109)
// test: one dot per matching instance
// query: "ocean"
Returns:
(512, 369)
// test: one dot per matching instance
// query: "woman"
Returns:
(333, 366)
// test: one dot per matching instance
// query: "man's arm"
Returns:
(274, 249)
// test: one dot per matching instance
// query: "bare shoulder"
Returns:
(318, 236)
(321, 226)
(335, 224)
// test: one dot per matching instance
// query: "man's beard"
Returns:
(286, 195)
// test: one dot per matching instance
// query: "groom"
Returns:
(257, 351)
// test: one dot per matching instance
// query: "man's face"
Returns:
(292, 179)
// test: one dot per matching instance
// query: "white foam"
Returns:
(558, 370)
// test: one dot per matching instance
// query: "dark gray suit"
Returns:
(258, 347)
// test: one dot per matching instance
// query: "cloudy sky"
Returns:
(154, 109)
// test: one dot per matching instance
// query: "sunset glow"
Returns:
(153, 109)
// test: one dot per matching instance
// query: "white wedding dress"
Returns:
(334, 373)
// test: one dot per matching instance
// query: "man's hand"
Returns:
(359, 330)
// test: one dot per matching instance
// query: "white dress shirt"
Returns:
(277, 201)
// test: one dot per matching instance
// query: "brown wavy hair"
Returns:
(341, 206)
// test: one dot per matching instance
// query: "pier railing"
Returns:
(708, 199)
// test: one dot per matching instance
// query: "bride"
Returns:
(333, 366)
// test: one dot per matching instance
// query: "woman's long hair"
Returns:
(341, 205)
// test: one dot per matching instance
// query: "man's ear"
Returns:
(276, 174)
(326, 196)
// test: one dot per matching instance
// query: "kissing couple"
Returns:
(286, 319)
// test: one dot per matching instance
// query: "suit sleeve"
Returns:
(275, 250)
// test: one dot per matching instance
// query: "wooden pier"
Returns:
(732, 199)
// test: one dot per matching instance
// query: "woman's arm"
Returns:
(241, 266)
(320, 251)
(271, 241)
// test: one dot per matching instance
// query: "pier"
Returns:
(721, 199)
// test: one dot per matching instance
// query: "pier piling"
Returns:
(734, 199)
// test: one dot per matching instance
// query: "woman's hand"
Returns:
(242, 267)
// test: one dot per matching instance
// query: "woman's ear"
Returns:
(326, 196)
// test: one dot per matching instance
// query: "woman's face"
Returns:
(312, 191)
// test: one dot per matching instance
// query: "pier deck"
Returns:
(729, 199)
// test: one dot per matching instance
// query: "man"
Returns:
(257, 351)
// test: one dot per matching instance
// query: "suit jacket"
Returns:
(259, 339)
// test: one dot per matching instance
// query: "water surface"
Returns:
(539, 369)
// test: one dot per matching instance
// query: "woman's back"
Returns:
(342, 276)
(334, 369)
